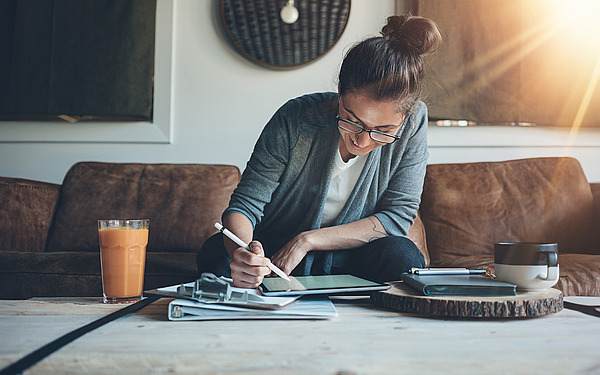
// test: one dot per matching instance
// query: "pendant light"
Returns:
(289, 13)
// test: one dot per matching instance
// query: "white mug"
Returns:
(531, 266)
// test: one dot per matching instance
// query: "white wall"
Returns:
(221, 102)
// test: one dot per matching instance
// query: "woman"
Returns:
(334, 181)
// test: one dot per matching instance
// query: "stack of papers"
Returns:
(314, 308)
(263, 307)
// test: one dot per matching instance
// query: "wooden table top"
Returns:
(364, 339)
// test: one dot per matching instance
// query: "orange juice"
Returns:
(122, 258)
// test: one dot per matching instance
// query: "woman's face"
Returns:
(371, 115)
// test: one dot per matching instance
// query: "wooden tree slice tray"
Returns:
(401, 297)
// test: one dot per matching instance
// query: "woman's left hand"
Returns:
(293, 252)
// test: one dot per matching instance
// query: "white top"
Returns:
(343, 179)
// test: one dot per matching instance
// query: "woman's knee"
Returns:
(381, 260)
(400, 249)
(213, 257)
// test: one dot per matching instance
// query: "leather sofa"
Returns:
(49, 240)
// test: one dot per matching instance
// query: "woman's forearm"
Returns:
(239, 225)
(347, 236)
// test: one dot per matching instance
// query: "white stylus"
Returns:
(241, 243)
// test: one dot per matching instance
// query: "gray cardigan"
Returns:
(285, 183)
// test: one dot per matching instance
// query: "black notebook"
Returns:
(458, 285)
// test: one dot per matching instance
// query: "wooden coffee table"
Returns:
(364, 339)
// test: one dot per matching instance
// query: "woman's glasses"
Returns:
(376, 135)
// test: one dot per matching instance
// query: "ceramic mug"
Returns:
(531, 266)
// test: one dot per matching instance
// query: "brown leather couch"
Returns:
(49, 241)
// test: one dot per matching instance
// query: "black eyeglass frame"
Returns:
(363, 129)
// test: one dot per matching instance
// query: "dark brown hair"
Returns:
(391, 67)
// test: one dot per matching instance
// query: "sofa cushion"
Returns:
(26, 214)
(78, 274)
(466, 208)
(182, 201)
(579, 274)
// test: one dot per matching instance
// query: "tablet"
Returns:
(323, 284)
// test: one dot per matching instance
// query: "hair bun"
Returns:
(413, 33)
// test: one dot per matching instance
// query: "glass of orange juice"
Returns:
(122, 258)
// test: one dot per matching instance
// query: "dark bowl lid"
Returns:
(526, 253)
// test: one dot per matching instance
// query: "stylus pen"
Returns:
(241, 243)
(446, 271)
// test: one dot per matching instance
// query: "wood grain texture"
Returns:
(364, 339)
(402, 298)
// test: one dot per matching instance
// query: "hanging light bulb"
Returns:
(289, 13)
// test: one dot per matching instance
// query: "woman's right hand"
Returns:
(248, 268)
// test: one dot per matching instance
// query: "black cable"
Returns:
(590, 310)
(41, 353)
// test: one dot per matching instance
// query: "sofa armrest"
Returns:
(27, 213)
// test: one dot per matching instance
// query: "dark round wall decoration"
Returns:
(284, 33)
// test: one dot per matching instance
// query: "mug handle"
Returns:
(552, 263)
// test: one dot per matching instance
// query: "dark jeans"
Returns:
(381, 260)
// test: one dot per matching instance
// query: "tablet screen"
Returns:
(318, 284)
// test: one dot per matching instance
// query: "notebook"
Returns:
(458, 285)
